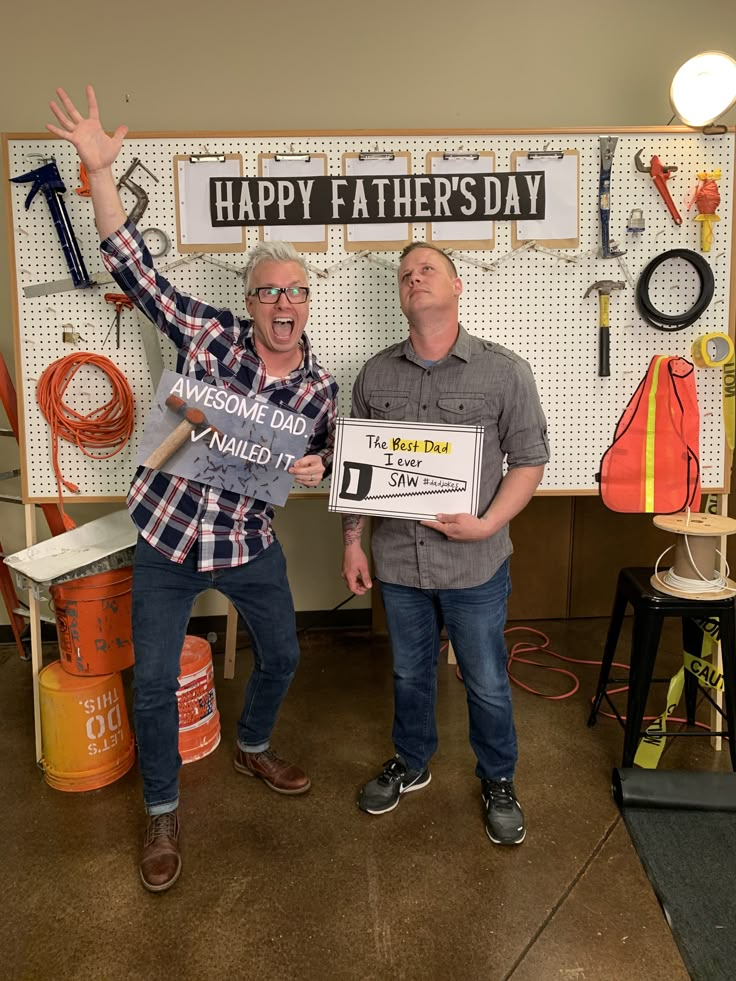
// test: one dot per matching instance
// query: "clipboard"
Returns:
(194, 231)
(475, 234)
(562, 191)
(305, 238)
(377, 238)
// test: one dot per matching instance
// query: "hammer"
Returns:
(193, 419)
(604, 287)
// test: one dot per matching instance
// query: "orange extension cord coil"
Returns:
(101, 433)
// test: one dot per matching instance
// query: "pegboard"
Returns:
(530, 300)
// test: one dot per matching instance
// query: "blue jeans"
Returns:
(475, 619)
(163, 595)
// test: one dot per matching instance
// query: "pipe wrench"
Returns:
(660, 175)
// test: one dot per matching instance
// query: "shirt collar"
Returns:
(308, 365)
(460, 349)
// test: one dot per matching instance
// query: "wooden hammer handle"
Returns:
(174, 441)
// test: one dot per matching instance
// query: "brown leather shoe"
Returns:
(283, 777)
(161, 862)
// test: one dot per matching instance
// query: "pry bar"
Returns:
(607, 147)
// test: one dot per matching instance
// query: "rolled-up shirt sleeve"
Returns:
(522, 426)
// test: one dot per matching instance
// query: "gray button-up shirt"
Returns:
(477, 383)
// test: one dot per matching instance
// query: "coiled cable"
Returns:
(679, 321)
(99, 434)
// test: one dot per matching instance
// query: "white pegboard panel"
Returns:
(531, 302)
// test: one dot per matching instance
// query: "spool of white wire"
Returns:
(695, 573)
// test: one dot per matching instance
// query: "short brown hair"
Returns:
(427, 245)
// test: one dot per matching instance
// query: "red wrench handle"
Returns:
(660, 176)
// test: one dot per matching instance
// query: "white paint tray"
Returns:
(100, 545)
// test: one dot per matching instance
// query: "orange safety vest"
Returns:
(652, 466)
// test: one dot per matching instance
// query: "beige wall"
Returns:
(328, 65)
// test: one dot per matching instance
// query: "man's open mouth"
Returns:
(282, 327)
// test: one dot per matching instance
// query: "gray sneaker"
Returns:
(504, 817)
(384, 792)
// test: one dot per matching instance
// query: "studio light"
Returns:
(704, 88)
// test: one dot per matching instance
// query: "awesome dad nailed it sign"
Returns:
(357, 200)
(215, 436)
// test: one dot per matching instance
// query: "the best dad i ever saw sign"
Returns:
(375, 199)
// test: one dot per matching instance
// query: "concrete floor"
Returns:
(277, 888)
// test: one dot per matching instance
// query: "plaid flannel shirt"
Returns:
(173, 513)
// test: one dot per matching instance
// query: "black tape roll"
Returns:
(670, 322)
(674, 789)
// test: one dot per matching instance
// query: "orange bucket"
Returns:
(93, 622)
(86, 738)
(199, 720)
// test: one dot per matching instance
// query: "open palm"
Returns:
(97, 150)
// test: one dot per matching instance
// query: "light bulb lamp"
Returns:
(704, 89)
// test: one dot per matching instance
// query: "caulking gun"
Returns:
(47, 178)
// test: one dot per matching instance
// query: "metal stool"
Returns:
(650, 608)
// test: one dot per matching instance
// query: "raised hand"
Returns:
(97, 150)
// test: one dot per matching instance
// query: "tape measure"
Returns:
(712, 350)
(717, 351)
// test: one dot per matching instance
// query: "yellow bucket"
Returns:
(86, 738)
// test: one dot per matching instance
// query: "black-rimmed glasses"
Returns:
(271, 294)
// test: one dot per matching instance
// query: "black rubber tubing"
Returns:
(680, 321)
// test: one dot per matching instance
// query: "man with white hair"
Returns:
(193, 537)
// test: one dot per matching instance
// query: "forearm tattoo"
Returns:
(352, 528)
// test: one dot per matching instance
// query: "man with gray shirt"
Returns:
(453, 571)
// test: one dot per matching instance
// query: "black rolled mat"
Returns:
(679, 789)
(683, 825)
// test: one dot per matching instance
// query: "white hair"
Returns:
(271, 252)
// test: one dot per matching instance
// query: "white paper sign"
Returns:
(405, 469)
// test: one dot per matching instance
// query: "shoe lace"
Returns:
(499, 794)
(393, 770)
(162, 826)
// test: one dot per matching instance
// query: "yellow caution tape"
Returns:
(712, 350)
(729, 401)
(707, 674)
(717, 351)
(710, 504)
(652, 743)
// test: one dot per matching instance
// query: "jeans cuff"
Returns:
(164, 808)
(254, 747)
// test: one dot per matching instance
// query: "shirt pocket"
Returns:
(462, 408)
(389, 405)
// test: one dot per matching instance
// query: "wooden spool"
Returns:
(700, 534)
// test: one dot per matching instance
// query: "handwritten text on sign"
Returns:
(356, 200)
(405, 469)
